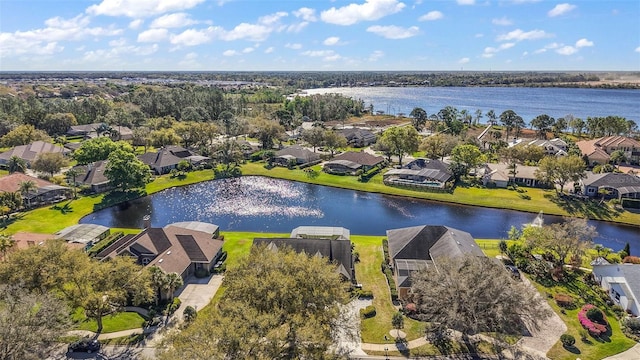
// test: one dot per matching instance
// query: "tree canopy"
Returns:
(98, 149)
(49, 163)
(561, 170)
(125, 171)
(400, 141)
(276, 305)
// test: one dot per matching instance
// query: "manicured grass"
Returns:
(529, 199)
(110, 323)
(616, 343)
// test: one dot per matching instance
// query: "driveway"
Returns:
(198, 293)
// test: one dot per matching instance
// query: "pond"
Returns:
(260, 204)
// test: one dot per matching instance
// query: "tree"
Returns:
(491, 115)
(27, 187)
(419, 118)
(229, 154)
(314, 136)
(30, 323)
(16, 164)
(164, 137)
(618, 157)
(49, 163)
(560, 170)
(466, 157)
(141, 137)
(125, 171)
(438, 146)
(226, 119)
(6, 243)
(173, 282)
(474, 294)
(277, 305)
(543, 124)
(567, 239)
(334, 141)
(400, 141)
(58, 123)
(509, 119)
(10, 202)
(23, 135)
(477, 117)
(267, 131)
(577, 125)
(397, 321)
(98, 149)
(71, 176)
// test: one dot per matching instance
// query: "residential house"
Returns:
(359, 137)
(424, 173)
(45, 192)
(85, 234)
(617, 186)
(168, 158)
(336, 251)
(92, 176)
(182, 247)
(30, 152)
(25, 240)
(116, 132)
(598, 151)
(622, 283)
(500, 174)
(295, 154)
(553, 147)
(350, 162)
(414, 248)
(321, 232)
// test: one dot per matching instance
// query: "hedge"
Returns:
(368, 312)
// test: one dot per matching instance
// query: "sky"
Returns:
(317, 35)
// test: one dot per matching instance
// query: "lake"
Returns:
(526, 102)
(260, 204)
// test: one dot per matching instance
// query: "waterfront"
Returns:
(260, 204)
(526, 102)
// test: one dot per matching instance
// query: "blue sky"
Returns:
(263, 35)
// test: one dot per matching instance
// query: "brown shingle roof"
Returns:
(360, 157)
(30, 152)
(11, 183)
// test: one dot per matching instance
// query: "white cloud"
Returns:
(369, 11)
(567, 50)
(490, 51)
(272, 19)
(560, 9)
(332, 40)
(247, 50)
(540, 51)
(394, 32)
(175, 20)
(191, 37)
(503, 21)
(478, 35)
(466, 2)
(140, 8)
(318, 53)
(637, 49)
(153, 35)
(115, 53)
(253, 32)
(230, 53)
(269, 50)
(374, 56)
(583, 43)
(431, 15)
(294, 46)
(296, 28)
(519, 35)
(135, 24)
(464, 60)
(333, 57)
(305, 14)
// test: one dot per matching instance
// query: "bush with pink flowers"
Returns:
(594, 328)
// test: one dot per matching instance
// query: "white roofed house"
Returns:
(555, 147)
(624, 187)
(420, 173)
(622, 283)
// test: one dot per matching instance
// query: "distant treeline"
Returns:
(308, 80)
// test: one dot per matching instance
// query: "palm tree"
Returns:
(71, 175)
(159, 280)
(618, 157)
(173, 282)
(16, 164)
(27, 187)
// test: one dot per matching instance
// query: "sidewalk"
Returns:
(631, 354)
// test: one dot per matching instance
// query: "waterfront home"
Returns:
(45, 192)
(295, 154)
(167, 158)
(85, 234)
(500, 174)
(321, 232)
(183, 247)
(611, 185)
(553, 147)
(89, 131)
(422, 173)
(336, 251)
(598, 151)
(622, 283)
(29, 153)
(414, 248)
(351, 161)
(359, 137)
(92, 176)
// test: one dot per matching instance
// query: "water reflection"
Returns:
(270, 205)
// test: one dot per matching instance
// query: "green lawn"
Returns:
(110, 323)
(594, 348)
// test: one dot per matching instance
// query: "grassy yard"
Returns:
(111, 323)
(593, 348)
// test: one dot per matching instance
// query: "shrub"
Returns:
(368, 312)
(594, 314)
(594, 328)
(618, 310)
(567, 340)
(410, 308)
(189, 313)
(173, 306)
(366, 294)
(564, 301)
(633, 324)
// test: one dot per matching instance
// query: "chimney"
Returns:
(146, 222)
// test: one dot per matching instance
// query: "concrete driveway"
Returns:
(198, 293)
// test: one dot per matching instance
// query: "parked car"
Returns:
(513, 271)
(85, 345)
